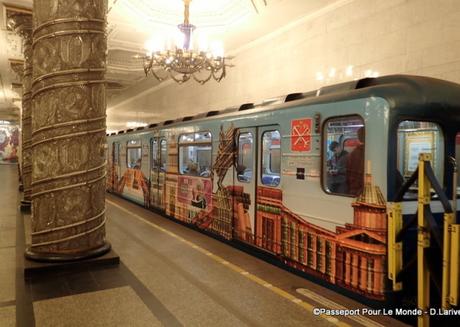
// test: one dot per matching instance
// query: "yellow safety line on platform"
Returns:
(254, 278)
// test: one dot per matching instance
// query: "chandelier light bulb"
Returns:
(349, 70)
(203, 43)
(217, 49)
(179, 39)
(332, 72)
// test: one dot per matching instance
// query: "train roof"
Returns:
(408, 94)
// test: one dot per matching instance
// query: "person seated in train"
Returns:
(205, 172)
(355, 166)
(192, 168)
(337, 169)
(137, 165)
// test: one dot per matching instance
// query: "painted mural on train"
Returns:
(9, 143)
(302, 183)
(353, 255)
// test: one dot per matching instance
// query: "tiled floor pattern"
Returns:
(113, 307)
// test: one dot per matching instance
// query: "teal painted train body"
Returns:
(306, 179)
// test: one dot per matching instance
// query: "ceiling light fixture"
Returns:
(181, 62)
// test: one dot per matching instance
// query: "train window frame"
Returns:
(246, 179)
(190, 140)
(262, 159)
(325, 147)
(412, 194)
(128, 147)
(152, 160)
(165, 156)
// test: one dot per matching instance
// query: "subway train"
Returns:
(304, 180)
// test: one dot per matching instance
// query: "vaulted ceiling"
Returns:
(132, 22)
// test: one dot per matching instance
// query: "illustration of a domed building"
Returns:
(361, 246)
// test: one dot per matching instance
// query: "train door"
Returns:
(162, 173)
(245, 184)
(154, 172)
(268, 194)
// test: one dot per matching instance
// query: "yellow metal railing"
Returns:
(394, 248)
(450, 242)
(423, 242)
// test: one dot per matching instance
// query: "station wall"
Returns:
(373, 37)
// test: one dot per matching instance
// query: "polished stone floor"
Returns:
(168, 275)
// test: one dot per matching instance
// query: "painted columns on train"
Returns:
(68, 130)
(23, 26)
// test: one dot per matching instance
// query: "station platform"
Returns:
(168, 275)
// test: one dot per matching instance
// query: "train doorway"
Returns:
(245, 184)
(157, 172)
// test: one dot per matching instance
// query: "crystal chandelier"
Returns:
(181, 62)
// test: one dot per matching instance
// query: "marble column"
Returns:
(68, 130)
(22, 24)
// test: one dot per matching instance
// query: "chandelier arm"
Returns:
(222, 74)
(202, 81)
(185, 78)
(148, 63)
(158, 77)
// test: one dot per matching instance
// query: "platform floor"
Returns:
(169, 275)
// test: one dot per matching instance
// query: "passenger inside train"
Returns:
(355, 165)
(344, 156)
(337, 168)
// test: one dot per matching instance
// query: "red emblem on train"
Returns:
(301, 134)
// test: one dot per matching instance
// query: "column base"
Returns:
(37, 264)
(58, 257)
(25, 206)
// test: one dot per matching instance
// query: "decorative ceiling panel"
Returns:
(203, 13)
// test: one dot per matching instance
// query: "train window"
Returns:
(163, 155)
(343, 163)
(415, 137)
(155, 163)
(195, 154)
(134, 154)
(271, 158)
(245, 157)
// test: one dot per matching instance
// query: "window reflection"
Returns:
(134, 154)
(271, 158)
(415, 137)
(245, 157)
(195, 154)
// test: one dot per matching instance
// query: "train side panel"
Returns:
(284, 211)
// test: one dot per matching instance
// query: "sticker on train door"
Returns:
(301, 134)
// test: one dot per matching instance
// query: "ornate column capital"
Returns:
(20, 22)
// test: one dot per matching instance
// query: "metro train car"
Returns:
(305, 179)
